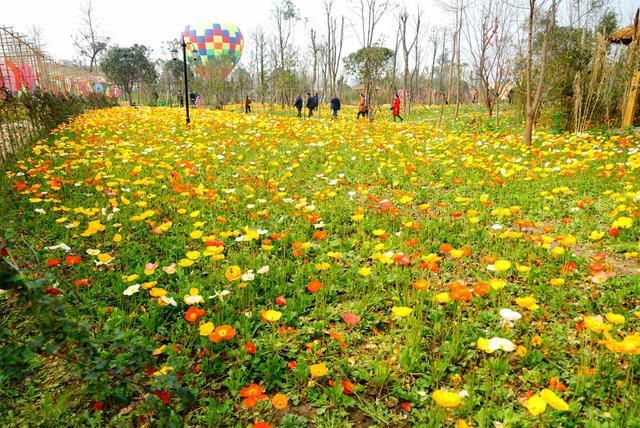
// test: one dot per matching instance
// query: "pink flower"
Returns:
(151, 266)
(169, 270)
(599, 277)
(350, 318)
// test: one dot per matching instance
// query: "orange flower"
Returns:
(261, 424)
(222, 332)
(251, 394)
(193, 314)
(314, 286)
(72, 260)
(445, 248)
(279, 401)
(320, 235)
(459, 292)
(481, 288)
(421, 284)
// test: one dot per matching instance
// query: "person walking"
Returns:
(362, 107)
(298, 105)
(395, 108)
(335, 106)
(311, 103)
(247, 104)
(180, 98)
(198, 101)
(192, 98)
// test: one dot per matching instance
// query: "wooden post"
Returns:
(630, 108)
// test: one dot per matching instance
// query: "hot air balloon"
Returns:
(214, 41)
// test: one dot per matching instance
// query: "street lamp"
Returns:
(174, 54)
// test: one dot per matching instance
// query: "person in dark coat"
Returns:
(335, 106)
(316, 103)
(395, 109)
(181, 98)
(192, 98)
(310, 105)
(247, 104)
(298, 105)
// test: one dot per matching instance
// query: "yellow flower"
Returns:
(523, 268)
(185, 262)
(441, 298)
(318, 370)
(104, 258)
(614, 318)
(206, 329)
(196, 234)
(401, 311)
(364, 271)
(456, 254)
(595, 235)
(596, 325)
(233, 273)
(378, 232)
(157, 292)
(553, 400)
(322, 266)
(117, 237)
(497, 284)
(271, 315)
(446, 398)
(622, 223)
(556, 281)
(193, 255)
(129, 278)
(502, 265)
(527, 302)
(535, 405)
(159, 350)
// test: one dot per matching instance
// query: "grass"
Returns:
(361, 268)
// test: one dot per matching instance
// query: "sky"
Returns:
(152, 22)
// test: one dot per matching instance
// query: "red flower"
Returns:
(251, 394)
(193, 314)
(406, 406)
(314, 286)
(347, 387)
(281, 301)
(250, 348)
(53, 291)
(292, 365)
(53, 262)
(261, 424)
(97, 406)
(163, 395)
(73, 260)
(350, 318)
(613, 232)
(86, 282)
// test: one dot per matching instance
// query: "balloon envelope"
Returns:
(214, 41)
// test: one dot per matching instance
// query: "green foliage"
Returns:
(369, 65)
(128, 66)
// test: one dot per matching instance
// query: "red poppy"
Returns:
(347, 387)
(193, 314)
(97, 406)
(314, 286)
(86, 282)
(53, 291)
(250, 348)
(261, 424)
(73, 260)
(350, 318)
(281, 301)
(163, 395)
(53, 262)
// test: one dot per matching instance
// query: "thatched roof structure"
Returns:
(626, 35)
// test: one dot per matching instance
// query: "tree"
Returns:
(88, 41)
(128, 67)
(369, 65)
(406, 51)
(533, 99)
(334, 45)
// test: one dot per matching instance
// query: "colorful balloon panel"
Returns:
(213, 41)
(10, 76)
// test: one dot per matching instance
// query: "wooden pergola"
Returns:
(629, 35)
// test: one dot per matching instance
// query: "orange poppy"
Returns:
(222, 332)
(193, 314)
(314, 286)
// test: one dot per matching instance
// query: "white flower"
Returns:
(61, 245)
(463, 393)
(192, 300)
(492, 268)
(220, 294)
(248, 276)
(131, 290)
(263, 270)
(40, 211)
(496, 226)
(169, 300)
(70, 225)
(93, 252)
(506, 345)
(319, 225)
(262, 231)
(509, 315)
(240, 238)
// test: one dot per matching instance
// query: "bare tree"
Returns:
(434, 39)
(333, 45)
(315, 49)
(534, 99)
(88, 42)
(406, 50)
(260, 43)
(36, 35)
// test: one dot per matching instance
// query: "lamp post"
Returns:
(174, 54)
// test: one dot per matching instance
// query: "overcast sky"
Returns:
(152, 22)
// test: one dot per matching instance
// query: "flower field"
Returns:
(257, 270)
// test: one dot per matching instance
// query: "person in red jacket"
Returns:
(395, 109)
